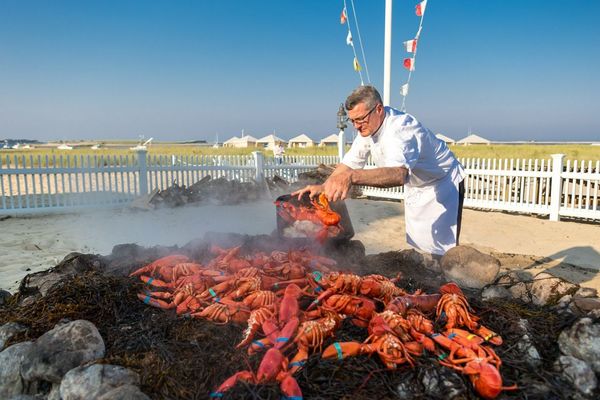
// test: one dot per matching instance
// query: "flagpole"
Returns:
(387, 54)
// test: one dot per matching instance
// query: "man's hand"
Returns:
(338, 185)
(312, 190)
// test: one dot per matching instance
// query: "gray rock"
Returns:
(581, 341)
(586, 292)
(495, 292)
(418, 259)
(520, 291)
(547, 288)
(93, 381)
(577, 372)
(469, 267)
(54, 392)
(529, 351)
(586, 304)
(8, 330)
(11, 359)
(61, 349)
(4, 296)
(441, 382)
(125, 392)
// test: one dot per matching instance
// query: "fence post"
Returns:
(556, 186)
(143, 172)
(259, 165)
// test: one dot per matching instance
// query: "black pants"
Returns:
(461, 200)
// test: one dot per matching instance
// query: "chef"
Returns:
(404, 153)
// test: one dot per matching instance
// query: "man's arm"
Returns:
(379, 177)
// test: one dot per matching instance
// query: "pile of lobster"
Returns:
(312, 218)
(265, 292)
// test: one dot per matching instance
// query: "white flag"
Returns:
(411, 45)
(349, 39)
(404, 90)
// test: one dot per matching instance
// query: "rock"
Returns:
(586, 304)
(61, 349)
(581, 341)
(469, 267)
(578, 373)
(11, 359)
(586, 292)
(495, 292)
(418, 259)
(92, 381)
(8, 330)
(520, 291)
(441, 382)
(546, 289)
(72, 264)
(4, 296)
(125, 392)
(529, 352)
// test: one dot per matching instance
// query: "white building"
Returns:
(301, 141)
(445, 138)
(473, 139)
(269, 141)
(331, 140)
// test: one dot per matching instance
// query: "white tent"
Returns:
(445, 138)
(301, 141)
(269, 141)
(473, 139)
(331, 140)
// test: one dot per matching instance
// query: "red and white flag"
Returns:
(349, 39)
(404, 90)
(411, 45)
(409, 64)
(420, 8)
(343, 16)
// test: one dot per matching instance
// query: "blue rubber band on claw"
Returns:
(150, 281)
(215, 395)
(297, 363)
(259, 344)
(338, 348)
(147, 299)
(282, 339)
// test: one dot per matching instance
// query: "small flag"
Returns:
(349, 39)
(420, 8)
(357, 66)
(411, 45)
(409, 64)
(404, 89)
(343, 16)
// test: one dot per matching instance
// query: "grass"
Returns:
(525, 151)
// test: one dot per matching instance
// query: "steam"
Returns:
(100, 231)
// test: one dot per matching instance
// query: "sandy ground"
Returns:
(568, 249)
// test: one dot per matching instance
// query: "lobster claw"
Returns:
(342, 350)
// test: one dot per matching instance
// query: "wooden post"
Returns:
(259, 165)
(143, 172)
(556, 186)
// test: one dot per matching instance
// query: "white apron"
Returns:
(431, 214)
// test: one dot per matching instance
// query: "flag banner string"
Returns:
(350, 42)
(411, 47)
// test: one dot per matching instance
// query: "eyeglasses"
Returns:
(363, 119)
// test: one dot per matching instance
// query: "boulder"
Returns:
(469, 268)
(586, 292)
(586, 304)
(11, 359)
(581, 341)
(93, 381)
(8, 330)
(578, 373)
(125, 392)
(529, 351)
(61, 349)
(441, 382)
(547, 289)
(495, 292)
(4, 296)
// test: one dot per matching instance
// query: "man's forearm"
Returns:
(380, 177)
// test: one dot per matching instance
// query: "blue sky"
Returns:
(181, 70)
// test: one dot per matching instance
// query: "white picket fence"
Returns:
(31, 185)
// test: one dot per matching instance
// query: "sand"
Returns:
(30, 244)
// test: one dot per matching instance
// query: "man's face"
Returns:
(366, 120)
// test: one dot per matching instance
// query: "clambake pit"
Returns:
(155, 353)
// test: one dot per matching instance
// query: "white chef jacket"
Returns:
(431, 190)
